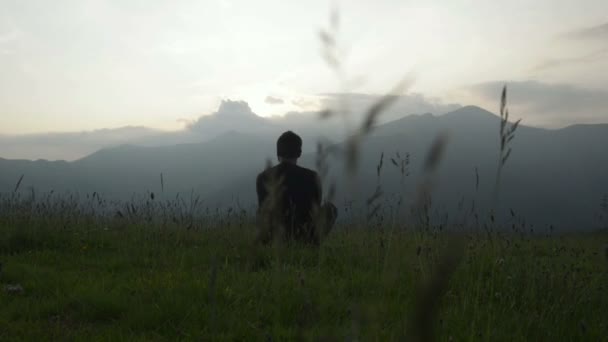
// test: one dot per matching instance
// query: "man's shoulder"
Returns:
(268, 172)
(307, 172)
(293, 170)
(264, 174)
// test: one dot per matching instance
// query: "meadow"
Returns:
(155, 268)
(69, 278)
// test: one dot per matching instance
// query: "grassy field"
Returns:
(142, 283)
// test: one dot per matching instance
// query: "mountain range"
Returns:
(553, 177)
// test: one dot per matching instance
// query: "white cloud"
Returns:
(230, 116)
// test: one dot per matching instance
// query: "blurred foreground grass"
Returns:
(137, 283)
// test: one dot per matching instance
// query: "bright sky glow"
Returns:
(75, 65)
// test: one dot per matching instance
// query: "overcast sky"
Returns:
(72, 65)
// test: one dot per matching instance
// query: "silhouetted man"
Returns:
(289, 197)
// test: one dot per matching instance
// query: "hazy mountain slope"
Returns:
(121, 171)
(70, 145)
(41, 174)
(552, 177)
(201, 167)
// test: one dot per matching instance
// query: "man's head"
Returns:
(289, 147)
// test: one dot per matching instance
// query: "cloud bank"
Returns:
(68, 146)
(594, 32)
(231, 116)
(550, 104)
(538, 103)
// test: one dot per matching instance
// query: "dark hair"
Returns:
(289, 145)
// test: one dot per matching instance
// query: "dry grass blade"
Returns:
(371, 202)
(330, 49)
(422, 321)
(506, 156)
(422, 202)
(379, 167)
(435, 153)
(371, 117)
(377, 193)
(374, 111)
(331, 59)
(506, 135)
(385, 102)
(18, 183)
(162, 183)
(514, 126)
(326, 38)
(503, 101)
(373, 212)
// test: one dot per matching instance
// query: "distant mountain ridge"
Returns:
(553, 177)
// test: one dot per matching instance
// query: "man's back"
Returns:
(294, 192)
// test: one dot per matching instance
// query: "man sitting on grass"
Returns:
(289, 198)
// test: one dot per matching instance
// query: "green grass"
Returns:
(138, 283)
